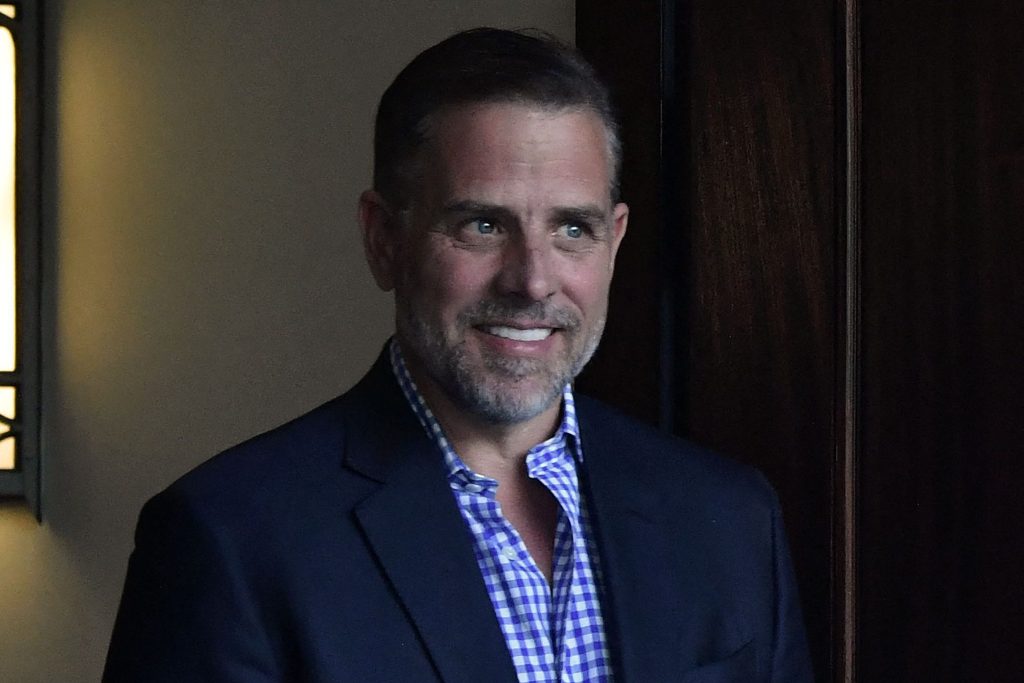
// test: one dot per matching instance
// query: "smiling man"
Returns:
(460, 515)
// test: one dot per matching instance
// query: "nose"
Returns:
(527, 270)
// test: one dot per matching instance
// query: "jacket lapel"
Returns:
(656, 613)
(656, 608)
(414, 527)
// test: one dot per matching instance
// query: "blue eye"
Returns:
(484, 227)
(573, 231)
(479, 232)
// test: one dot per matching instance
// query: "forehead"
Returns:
(517, 143)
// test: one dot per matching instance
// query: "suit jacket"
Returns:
(332, 549)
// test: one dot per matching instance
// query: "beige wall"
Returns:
(205, 276)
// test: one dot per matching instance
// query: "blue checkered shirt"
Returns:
(555, 632)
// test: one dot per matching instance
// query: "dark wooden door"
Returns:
(823, 278)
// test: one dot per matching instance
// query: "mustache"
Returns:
(532, 313)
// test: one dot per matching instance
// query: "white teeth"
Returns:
(536, 334)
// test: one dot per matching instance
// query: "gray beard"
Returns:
(490, 392)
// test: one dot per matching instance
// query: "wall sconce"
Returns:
(19, 252)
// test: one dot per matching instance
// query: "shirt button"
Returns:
(509, 552)
(474, 488)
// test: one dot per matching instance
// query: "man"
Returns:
(460, 515)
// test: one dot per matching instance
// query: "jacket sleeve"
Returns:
(791, 660)
(187, 613)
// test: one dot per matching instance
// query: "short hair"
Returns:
(482, 66)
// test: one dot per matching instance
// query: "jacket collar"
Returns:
(417, 533)
(414, 528)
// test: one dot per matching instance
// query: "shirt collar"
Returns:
(568, 430)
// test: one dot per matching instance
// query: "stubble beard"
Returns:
(492, 386)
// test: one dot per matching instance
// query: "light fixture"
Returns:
(19, 252)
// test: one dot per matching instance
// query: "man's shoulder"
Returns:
(302, 460)
(642, 453)
(309, 440)
(265, 474)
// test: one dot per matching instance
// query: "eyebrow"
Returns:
(470, 207)
(590, 214)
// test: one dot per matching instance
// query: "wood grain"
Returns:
(942, 510)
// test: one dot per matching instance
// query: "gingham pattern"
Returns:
(554, 634)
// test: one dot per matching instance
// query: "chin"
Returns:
(508, 390)
(510, 410)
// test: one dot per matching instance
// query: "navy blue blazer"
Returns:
(331, 549)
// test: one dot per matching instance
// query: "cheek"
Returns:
(452, 281)
(455, 281)
(588, 288)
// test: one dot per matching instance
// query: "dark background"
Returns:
(821, 278)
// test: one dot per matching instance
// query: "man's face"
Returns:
(502, 263)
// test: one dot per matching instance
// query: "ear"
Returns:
(380, 238)
(620, 217)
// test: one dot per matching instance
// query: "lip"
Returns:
(510, 346)
(519, 324)
(520, 334)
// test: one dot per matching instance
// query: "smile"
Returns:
(516, 334)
